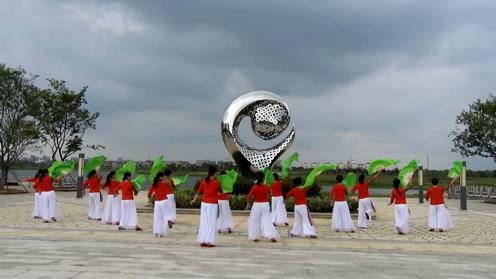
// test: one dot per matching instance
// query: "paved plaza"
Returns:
(78, 248)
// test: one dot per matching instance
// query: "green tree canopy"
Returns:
(18, 131)
(476, 131)
(63, 119)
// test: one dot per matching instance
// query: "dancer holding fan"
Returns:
(259, 223)
(439, 217)
(94, 197)
(401, 211)
(159, 187)
(37, 212)
(129, 218)
(341, 217)
(365, 206)
(279, 214)
(302, 224)
(112, 211)
(209, 189)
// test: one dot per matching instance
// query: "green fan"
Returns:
(381, 164)
(350, 180)
(227, 181)
(406, 173)
(60, 168)
(94, 163)
(287, 163)
(316, 172)
(456, 170)
(159, 165)
(129, 166)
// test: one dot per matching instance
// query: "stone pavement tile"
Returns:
(47, 274)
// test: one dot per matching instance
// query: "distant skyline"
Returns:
(363, 79)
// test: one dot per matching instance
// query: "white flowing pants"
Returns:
(279, 214)
(364, 207)
(302, 226)
(170, 204)
(224, 221)
(260, 223)
(37, 207)
(401, 218)
(129, 218)
(207, 232)
(341, 217)
(112, 211)
(49, 206)
(94, 209)
(160, 223)
(439, 218)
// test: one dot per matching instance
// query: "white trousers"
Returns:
(279, 214)
(112, 211)
(401, 218)
(341, 217)
(260, 222)
(224, 221)
(94, 208)
(160, 223)
(129, 218)
(302, 225)
(207, 232)
(37, 212)
(49, 206)
(364, 206)
(439, 218)
(170, 204)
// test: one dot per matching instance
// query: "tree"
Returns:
(18, 131)
(476, 131)
(63, 119)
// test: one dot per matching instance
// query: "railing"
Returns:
(474, 192)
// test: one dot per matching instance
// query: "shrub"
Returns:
(318, 203)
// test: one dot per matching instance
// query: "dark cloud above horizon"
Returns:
(363, 79)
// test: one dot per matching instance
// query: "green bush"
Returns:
(318, 203)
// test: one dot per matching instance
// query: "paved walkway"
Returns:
(79, 248)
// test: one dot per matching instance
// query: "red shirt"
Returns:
(277, 188)
(363, 190)
(114, 187)
(435, 194)
(46, 184)
(170, 187)
(339, 192)
(209, 190)
(299, 194)
(36, 185)
(260, 192)
(224, 197)
(94, 184)
(160, 191)
(127, 190)
(398, 198)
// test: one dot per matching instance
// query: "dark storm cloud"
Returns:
(363, 78)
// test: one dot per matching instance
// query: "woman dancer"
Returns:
(341, 217)
(170, 202)
(112, 211)
(401, 211)
(365, 208)
(129, 218)
(37, 212)
(49, 208)
(279, 214)
(224, 221)
(302, 225)
(94, 197)
(209, 189)
(259, 223)
(159, 187)
(439, 217)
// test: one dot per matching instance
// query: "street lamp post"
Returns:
(421, 184)
(79, 194)
(463, 187)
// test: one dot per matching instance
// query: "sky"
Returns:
(363, 79)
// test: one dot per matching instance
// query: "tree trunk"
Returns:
(4, 173)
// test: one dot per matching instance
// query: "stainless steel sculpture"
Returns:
(269, 115)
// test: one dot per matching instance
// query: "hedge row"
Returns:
(318, 203)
